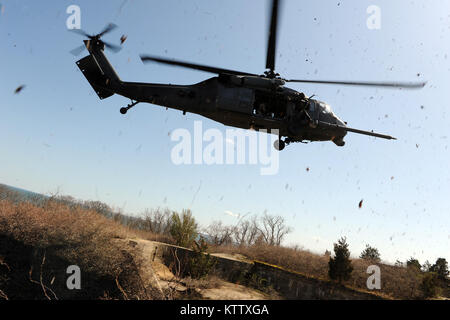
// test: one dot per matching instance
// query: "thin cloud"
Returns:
(228, 212)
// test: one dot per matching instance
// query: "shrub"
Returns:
(201, 264)
(183, 228)
(340, 267)
(429, 285)
(38, 242)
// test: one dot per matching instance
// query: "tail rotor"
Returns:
(95, 40)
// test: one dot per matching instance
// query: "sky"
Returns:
(57, 136)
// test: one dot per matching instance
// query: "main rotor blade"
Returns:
(272, 41)
(110, 27)
(406, 85)
(194, 66)
(367, 133)
(112, 47)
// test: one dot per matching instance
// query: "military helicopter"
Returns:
(233, 98)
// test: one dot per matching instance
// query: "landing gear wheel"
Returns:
(124, 110)
(279, 144)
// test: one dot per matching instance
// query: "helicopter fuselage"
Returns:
(241, 107)
(243, 102)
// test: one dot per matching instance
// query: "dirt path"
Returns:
(156, 275)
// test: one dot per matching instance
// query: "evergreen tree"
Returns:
(398, 263)
(429, 285)
(370, 254)
(426, 267)
(201, 262)
(340, 267)
(413, 263)
(440, 268)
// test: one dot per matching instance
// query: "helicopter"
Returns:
(234, 98)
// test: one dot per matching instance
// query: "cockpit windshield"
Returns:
(325, 107)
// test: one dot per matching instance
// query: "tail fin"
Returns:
(99, 72)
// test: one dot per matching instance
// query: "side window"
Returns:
(312, 106)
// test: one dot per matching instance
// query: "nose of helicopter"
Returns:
(341, 123)
(339, 139)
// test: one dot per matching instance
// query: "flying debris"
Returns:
(19, 89)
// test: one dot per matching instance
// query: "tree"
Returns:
(429, 285)
(201, 263)
(413, 263)
(183, 228)
(273, 229)
(218, 234)
(440, 268)
(398, 263)
(97, 206)
(246, 232)
(426, 267)
(340, 267)
(157, 221)
(370, 254)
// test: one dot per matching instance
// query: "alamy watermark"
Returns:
(373, 22)
(74, 280)
(374, 280)
(74, 19)
(238, 146)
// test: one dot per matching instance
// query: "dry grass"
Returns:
(396, 282)
(208, 282)
(38, 243)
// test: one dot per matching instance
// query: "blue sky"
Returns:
(57, 135)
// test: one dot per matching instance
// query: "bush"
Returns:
(340, 267)
(413, 264)
(37, 243)
(201, 264)
(370, 254)
(429, 285)
(183, 228)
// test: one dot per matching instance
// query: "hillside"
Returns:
(39, 242)
(40, 237)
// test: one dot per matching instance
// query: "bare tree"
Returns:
(273, 229)
(157, 221)
(97, 206)
(246, 232)
(218, 234)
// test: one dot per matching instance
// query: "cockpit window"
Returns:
(326, 108)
